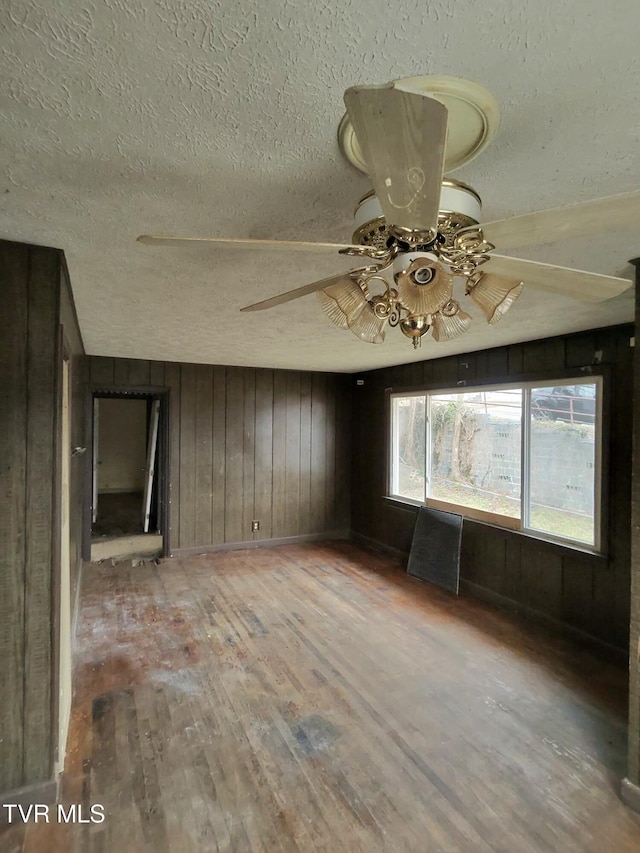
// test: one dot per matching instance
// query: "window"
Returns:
(524, 456)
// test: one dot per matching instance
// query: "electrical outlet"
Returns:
(255, 525)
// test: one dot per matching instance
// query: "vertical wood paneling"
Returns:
(540, 578)
(633, 766)
(361, 398)
(488, 566)
(468, 367)
(427, 373)
(121, 371)
(39, 510)
(249, 454)
(172, 380)
(234, 498)
(318, 450)
(580, 350)
(156, 373)
(468, 561)
(515, 360)
(305, 453)
(246, 444)
(218, 439)
(511, 583)
(533, 357)
(414, 373)
(577, 592)
(102, 370)
(139, 370)
(330, 456)
(497, 363)
(343, 450)
(292, 455)
(188, 375)
(445, 371)
(604, 606)
(14, 263)
(264, 452)
(204, 455)
(279, 454)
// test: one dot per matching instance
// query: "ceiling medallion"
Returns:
(474, 117)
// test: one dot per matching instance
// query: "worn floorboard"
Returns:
(314, 697)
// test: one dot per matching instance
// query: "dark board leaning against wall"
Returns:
(245, 444)
(588, 594)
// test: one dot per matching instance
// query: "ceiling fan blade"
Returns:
(242, 243)
(402, 135)
(297, 293)
(585, 286)
(615, 212)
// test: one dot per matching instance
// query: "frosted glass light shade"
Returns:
(346, 306)
(342, 300)
(494, 295)
(423, 298)
(447, 328)
(368, 327)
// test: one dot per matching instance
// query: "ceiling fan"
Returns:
(420, 232)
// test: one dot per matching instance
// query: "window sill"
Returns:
(563, 548)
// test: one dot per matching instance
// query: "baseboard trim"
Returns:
(630, 794)
(501, 601)
(495, 598)
(44, 793)
(259, 543)
(379, 547)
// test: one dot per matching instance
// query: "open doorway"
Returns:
(128, 506)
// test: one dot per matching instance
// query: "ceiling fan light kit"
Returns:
(493, 295)
(446, 327)
(346, 305)
(421, 231)
(424, 272)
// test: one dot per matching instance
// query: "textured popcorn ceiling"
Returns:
(199, 117)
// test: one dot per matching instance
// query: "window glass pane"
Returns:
(474, 450)
(408, 447)
(562, 463)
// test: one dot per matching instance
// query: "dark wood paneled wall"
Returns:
(245, 444)
(589, 594)
(30, 370)
(634, 645)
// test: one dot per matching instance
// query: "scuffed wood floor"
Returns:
(316, 698)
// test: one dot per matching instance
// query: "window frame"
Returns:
(521, 525)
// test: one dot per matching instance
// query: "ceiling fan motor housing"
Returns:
(460, 207)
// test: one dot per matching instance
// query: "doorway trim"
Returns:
(159, 392)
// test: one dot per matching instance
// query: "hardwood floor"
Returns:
(316, 698)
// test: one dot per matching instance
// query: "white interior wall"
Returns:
(122, 440)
